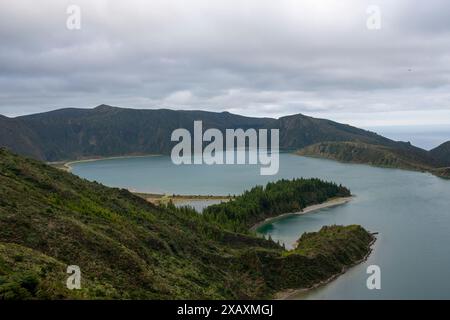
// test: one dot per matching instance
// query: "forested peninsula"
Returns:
(276, 198)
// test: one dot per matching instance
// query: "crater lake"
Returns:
(409, 210)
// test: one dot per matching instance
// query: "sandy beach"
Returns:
(327, 204)
(67, 165)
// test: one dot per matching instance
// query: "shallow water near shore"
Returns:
(410, 210)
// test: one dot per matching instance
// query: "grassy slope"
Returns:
(128, 248)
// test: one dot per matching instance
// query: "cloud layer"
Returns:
(253, 57)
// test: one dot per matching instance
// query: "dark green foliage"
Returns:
(69, 134)
(401, 156)
(442, 153)
(320, 254)
(126, 247)
(27, 274)
(275, 198)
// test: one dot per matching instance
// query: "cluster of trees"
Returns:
(275, 198)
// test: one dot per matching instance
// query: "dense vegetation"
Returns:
(129, 248)
(442, 152)
(377, 155)
(274, 199)
(70, 134)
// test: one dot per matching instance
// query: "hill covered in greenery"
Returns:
(442, 152)
(376, 155)
(71, 134)
(129, 248)
(275, 198)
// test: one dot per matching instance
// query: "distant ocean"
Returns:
(426, 137)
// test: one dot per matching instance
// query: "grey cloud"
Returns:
(252, 57)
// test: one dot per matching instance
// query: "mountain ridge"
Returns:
(442, 152)
(73, 133)
(105, 131)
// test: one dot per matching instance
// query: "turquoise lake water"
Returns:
(410, 210)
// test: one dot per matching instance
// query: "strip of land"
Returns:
(159, 198)
(67, 165)
(327, 204)
(155, 198)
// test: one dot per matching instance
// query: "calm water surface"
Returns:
(410, 210)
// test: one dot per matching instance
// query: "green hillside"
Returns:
(15, 135)
(376, 155)
(128, 248)
(70, 134)
(442, 152)
(358, 152)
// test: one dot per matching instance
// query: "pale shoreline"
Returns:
(327, 204)
(67, 165)
(157, 198)
(154, 198)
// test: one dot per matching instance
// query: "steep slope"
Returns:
(442, 153)
(128, 248)
(298, 131)
(15, 135)
(110, 131)
(69, 134)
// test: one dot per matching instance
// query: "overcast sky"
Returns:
(258, 58)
